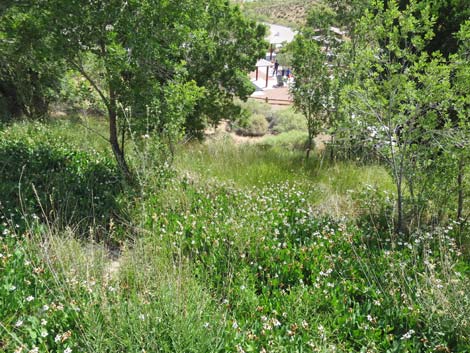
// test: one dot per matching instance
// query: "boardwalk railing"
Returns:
(276, 101)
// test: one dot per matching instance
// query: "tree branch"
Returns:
(91, 81)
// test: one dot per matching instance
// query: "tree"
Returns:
(461, 100)
(29, 79)
(400, 94)
(311, 89)
(449, 15)
(218, 58)
(145, 51)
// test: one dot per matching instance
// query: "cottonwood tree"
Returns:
(311, 89)
(145, 51)
(400, 93)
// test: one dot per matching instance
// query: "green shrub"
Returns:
(57, 183)
(34, 314)
(286, 120)
(253, 106)
(293, 140)
(257, 125)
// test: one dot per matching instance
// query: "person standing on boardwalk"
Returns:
(276, 66)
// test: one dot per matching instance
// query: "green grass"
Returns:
(246, 249)
(88, 134)
(331, 184)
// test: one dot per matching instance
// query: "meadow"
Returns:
(227, 248)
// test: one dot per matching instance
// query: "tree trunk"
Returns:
(399, 225)
(113, 136)
(460, 188)
(309, 145)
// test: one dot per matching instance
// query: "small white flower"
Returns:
(30, 298)
(68, 350)
(57, 338)
(45, 307)
(235, 325)
(407, 335)
(43, 322)
(142, 317)
(19, 323)
(44, 334)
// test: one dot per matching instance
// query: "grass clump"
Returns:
(334, 183)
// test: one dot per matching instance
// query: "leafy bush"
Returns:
(286, 120)
(253, 106)
(293, 140)
(256, 125)
(34, 314)
(57, 182)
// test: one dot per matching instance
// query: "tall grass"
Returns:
(232, 255)
(246, 165)
(144, 300)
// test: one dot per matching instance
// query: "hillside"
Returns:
(290, 13)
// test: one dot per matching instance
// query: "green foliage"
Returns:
(138, 57)
(256, 125)
(248, 165)
(224, 50)
(272, 261)
(253, 106)
(291, 140)
(77, 95)
(34, 313)
(29, 76)
(145, 300)
(54, 181)
(286, 120)
(311, 90)
(400, 94)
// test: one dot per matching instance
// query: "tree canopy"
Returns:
(136, 55)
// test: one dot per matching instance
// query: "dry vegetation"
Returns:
(289, 12)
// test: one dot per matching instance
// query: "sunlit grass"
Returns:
(250, 164)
